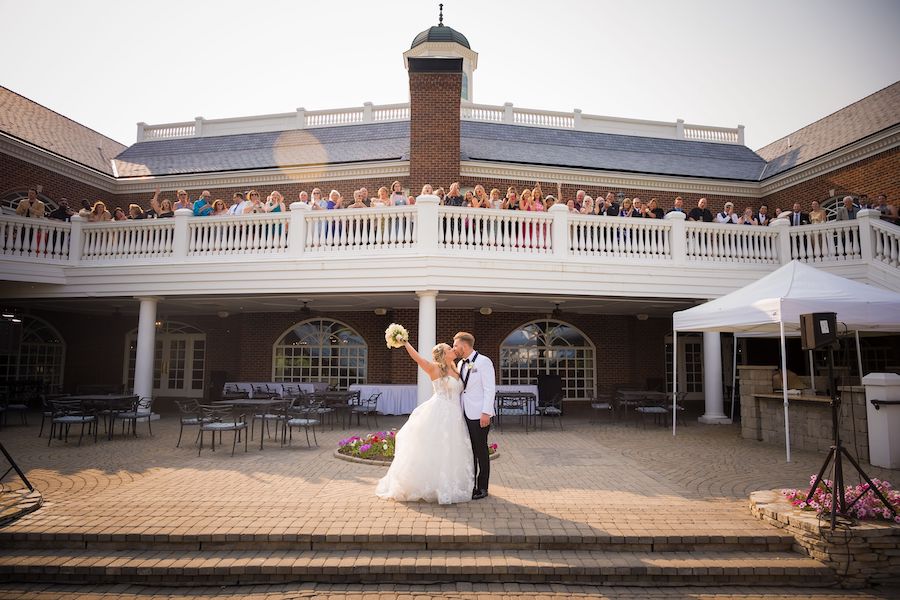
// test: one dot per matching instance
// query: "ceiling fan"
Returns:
(306, 310)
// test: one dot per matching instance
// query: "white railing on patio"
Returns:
(251, 234)
(364, 229)
(42, 239)
(885, 243)
(619, 237)
(127, 240)
(494, 230)
(827, 242)
(716, 242)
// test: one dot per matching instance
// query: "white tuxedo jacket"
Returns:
(478, 395)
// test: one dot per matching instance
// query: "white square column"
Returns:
(427, 335)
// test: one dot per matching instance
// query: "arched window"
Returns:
(549, 347)
(10, 202)
(35, 352)
(320, 350)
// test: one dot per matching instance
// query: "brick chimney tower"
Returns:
(434, 101)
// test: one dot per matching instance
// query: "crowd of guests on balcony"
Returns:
(530, 199)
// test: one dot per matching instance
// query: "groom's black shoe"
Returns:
(479, 494)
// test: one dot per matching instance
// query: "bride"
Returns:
(433, 456)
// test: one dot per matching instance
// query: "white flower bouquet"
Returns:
(396, 335)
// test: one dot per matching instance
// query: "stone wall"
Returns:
(810, 422)
(862, 554)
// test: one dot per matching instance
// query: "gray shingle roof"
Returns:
(602, 151)
(33, 123)
(331, 145)
(861, 119)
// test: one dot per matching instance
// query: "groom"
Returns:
(477, 374)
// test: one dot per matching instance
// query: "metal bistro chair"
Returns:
(552, 409)
(67, 413)
(141, 409)
(511, 404)
(367, 407)
(190, 416)
(268, 414)
(218, 419)
(8, 406)
(601, 403)
(653, 405)
(299, 413)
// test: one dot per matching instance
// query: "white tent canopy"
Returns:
(774, 304)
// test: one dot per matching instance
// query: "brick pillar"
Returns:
(435, 85)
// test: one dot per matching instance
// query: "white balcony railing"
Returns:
(506, 113)
(428, 229)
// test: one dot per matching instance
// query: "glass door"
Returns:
(690, 365)
(179, 364)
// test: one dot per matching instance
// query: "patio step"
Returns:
(381, 566)
(736, 541)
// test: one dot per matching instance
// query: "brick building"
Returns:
(164, 305)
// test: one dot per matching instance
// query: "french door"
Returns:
(690, 365)
(179, 364)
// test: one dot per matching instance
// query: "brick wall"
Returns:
(17, 175)
(434, 101)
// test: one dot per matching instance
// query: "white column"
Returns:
(427, 227)
(143, 363)
(678, 239)
(712, 380)
(559, 231)
(297, 229)
(427, 336)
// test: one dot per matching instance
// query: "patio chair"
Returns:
(218, 419)
(190, 417)
(653, 405)
(299, 414)
(601, 403)
(367, 407)
(273, 414)
(67, 413)
(7, 406)
(142, 409)
(552, 409)
(511, 405)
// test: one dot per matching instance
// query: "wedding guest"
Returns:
(637, 208)
(701, 213)
(727, 215)
(653, 211)
(99, 213)
(383, 200)
(678, 205)
(219, 208)
(480, 199)
(472, 201)
(798, 217)
(135, 212)
(817, 214)
(747, 218)
(495, 200)
(537, 202)
(254, 205)
(571, 206)
(627, 210)
(238, 204)
(579, 199)
(587, 205)
(31, 206)
(427, 189)
(762, 217)
(512, 199)
(411, 200)
(275, 203)
(612, 207)
(847, 212)
(454, 197)
(398, 198)
(182, 200)
(161, 210)
(357, 200)
(440, 194)
(335, 200)
(119, 214)
(364, 194)
(303, 198)
(202, 207)
(86, 209)
(63, 212)
(549, 202)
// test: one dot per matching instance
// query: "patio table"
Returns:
(255, 403)
(111, 403)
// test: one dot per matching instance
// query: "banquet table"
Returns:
(396, 398)
(249, 387)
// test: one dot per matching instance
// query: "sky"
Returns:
(771, 65)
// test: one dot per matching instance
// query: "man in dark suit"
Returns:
(798, 217)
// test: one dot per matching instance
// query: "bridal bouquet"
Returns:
(395, 335)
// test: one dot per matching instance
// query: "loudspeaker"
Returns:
(817, 330)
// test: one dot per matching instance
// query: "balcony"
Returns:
(427, 246)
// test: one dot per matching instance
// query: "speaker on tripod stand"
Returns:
(819, 331)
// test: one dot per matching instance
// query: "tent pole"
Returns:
(784, 392)
(734, 343)
(858, 357)
(674, 379)
(812, 372)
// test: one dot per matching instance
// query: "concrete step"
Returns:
(768, 542)
(233, 567)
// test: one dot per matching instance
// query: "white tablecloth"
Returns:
(396, 398)
(250, 386)
(521, 388)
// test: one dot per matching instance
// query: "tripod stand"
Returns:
(839, 505)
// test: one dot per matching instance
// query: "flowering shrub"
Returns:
(868, 507)
(378, 446)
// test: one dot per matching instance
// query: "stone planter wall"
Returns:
(864, 554)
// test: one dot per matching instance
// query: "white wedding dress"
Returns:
(433, 458)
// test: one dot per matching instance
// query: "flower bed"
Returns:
(868, 507)
(378, 446)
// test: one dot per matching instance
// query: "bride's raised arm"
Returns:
(426, 365)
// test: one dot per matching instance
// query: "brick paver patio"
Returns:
(589, 483)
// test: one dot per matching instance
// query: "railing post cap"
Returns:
(199, 119)
(576, 110)
(675, 215)
(780, 223)
(301, 109)
(300, 206)
(184, 212)
(558, 208)
(507, 104)
(427, 199)
(141, 124)
(77, 217)
(367, 104)
(679, 120)
(867, 213)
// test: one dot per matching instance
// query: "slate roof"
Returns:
(30, 122)
(861, 119)
(440, 33)
(327, 145)
(611, 152)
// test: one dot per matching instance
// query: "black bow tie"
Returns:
(466, 360)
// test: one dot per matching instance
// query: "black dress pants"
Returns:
(478, 435)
